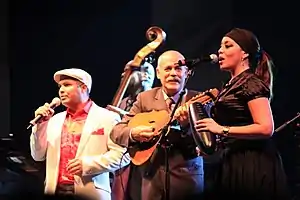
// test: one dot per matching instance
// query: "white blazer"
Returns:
(98, 153)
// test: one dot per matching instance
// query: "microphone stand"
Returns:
(165, 144)
(287, 123)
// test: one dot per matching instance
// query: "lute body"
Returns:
(142, 151)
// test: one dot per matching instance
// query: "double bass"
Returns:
(157, 36)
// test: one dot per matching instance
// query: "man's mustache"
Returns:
(174, 80)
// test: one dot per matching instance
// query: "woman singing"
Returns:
(249, 164)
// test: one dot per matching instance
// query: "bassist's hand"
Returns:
(142, 133)
(128, 66)
(117, 110)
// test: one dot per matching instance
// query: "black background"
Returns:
(40, 37)
(45, 36)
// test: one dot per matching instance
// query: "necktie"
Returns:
(170, 104)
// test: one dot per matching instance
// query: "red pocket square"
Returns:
(100, 131)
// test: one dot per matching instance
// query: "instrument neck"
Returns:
(121, 90)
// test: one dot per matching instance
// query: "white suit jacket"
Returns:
(98, 153)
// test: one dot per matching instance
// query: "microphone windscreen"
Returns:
(214, 58)
(55, 102)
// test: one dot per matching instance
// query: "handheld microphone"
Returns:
(55, 102)
(190, 63)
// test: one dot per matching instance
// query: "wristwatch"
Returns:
(226, 130)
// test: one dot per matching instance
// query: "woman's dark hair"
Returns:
(259, 59)
(264, 70)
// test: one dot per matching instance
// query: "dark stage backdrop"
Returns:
(101, 39)
(98, 38)
(4, 69)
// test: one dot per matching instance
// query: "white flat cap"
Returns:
(78, 74)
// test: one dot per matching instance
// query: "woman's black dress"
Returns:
(248, 168)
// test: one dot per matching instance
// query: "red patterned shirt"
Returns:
(70, 138)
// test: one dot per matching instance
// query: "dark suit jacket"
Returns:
(147, 101)
(154, 100)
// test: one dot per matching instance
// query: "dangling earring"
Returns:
(243, 63)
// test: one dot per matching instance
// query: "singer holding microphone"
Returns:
(249, 166)
(76, 143)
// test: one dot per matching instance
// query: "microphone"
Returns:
(55, 102)
(190, 63)
(287, 123)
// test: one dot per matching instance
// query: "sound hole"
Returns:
(152, 121)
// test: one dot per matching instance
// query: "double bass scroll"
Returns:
(157, 36)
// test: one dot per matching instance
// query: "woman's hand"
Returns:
(208, 124)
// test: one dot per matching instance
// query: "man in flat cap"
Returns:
(75, 143)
